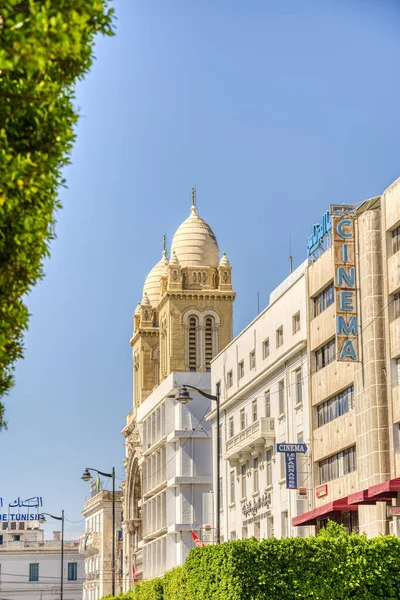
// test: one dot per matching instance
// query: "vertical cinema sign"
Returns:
(345, 282)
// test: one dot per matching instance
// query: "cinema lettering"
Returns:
(347, 326)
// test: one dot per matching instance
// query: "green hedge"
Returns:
(331, 566)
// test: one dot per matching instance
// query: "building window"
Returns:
(265, 348)
(72, 571)
(16, 538)
(208, 342)
(192, 344)
(233, 535)
(396, 306)
(257, 528)
(325, 355)
(324, 299)
(232, 486)
(398, 370)
(243, 470)
(242, 419)
(241, 369)
(279, 336)
(298, 386)
(281, 394)
(245, 533)
(1, 540)
(255, 474)
(337, 465)
(268, 474)
(231, 427)
(296, 323)
(252, 360)
(267, 403)
(34, 572)
(229, 379)
(336, 406)
(254, 410)
(396, 240)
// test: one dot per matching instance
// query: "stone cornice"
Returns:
(196, 295)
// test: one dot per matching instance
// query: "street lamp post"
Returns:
(87, 477)
(43, 520)
(184, 397)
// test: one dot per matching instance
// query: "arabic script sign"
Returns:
(32, 504)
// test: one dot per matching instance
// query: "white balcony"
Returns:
(246, 441)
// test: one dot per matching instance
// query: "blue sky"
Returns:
(273, 110)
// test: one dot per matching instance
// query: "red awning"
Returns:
(381, 492)
(360, 498)
(324, 511)
(305, 519)
(335, 506)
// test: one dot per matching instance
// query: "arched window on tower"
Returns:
(208, 341)
(192, 344)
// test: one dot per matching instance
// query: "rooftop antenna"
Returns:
(165, 244)
(290, 256)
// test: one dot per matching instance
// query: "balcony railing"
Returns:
(257, 433)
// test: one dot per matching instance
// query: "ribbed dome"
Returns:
(194, 243)
(152, 284)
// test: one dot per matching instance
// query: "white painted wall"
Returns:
(281, 364)
(15, 558)
(186, 469)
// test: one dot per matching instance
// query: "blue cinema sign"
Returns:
(290, 451)
(345, 283)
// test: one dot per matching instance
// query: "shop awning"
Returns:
(360, 498)
(323, 512)
(382, 492)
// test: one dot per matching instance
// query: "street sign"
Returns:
(291, 448)
(291, 470)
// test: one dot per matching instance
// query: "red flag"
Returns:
(197, 541)
(134, 574)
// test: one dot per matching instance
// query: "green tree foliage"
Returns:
(330, 566)
(45, 47)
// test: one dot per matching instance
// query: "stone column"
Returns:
(373, 460)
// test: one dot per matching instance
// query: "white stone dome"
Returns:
(152, 284)
(194, 243)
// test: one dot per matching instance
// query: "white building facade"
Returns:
(30, 566)
(262, 377)
(176, 472)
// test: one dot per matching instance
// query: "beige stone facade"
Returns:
(95, 544)
(355, 402)
(182, 322)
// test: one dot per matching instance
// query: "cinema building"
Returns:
(353, 353)
(262, 377)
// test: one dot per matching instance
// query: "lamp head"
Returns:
(183, 395)
(42, 519)
(86, 475)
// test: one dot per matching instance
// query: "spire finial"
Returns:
(164, 245)
(194, 207)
